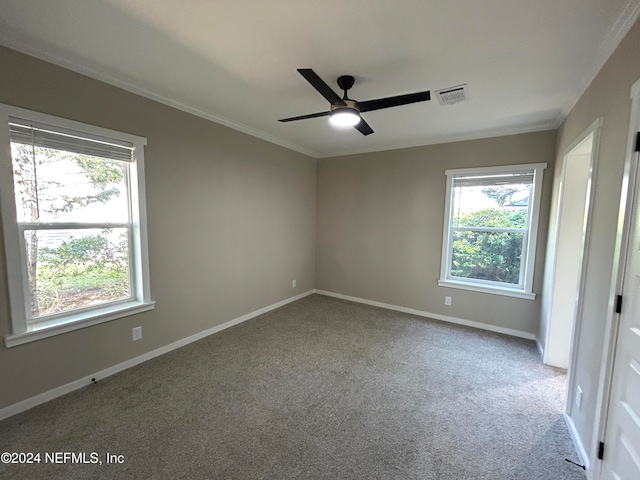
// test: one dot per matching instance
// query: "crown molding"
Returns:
(62, 60)
(559, 119)
(627, 16)
(495, 132)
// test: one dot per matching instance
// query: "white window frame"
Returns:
(525, 288)
(140, 301)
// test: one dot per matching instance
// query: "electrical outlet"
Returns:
(293, 283)
(447, 301)
(579, 398)
(136, 333)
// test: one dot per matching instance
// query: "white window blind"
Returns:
(480, 180)
(46, 136)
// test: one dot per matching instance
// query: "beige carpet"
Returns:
(318, 389)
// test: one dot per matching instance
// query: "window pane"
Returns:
(502, 206)
(71, 269)
(492, 256)
(54, 185)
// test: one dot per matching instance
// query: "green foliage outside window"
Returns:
(486, 255)
(82, 270)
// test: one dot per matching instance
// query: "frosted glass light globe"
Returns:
(344, 117)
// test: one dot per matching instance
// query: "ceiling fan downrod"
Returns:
(345, 82)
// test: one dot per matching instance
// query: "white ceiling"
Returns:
(234, 61)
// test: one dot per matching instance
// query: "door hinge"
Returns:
(638, 142)
(619, 304)
(601, 451)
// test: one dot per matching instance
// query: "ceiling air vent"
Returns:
(451, 95)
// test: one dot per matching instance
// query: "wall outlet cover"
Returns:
(136, 333)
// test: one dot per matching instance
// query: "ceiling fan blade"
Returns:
(303, 117)
(369, 105)
(322, 88)
(363, 127)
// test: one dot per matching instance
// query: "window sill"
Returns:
(474, 287)
(76, 322)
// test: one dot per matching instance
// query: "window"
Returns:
(491, 219)
(74, 223)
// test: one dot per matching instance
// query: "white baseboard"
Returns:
(577, 443)
(435, 316)
(82, 382)
(540, 349)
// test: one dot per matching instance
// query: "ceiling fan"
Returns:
(345, 111)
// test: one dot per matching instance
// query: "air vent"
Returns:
(451, 95)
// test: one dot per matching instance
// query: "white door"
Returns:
(622, 438)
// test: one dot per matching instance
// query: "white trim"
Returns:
(528, 255)
(71, 323)
(23, 330)
(12, 243)
(445, 258)
(434, 316)
(514, 168)
(627, 16)
(577, 444)
(48, 54)
(617, 276)
(494, 290)
(86, 380)
(593, 128)
(140, 248)
(529, 261)
(540, 349)
(593, 131)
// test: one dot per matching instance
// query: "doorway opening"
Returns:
(562, 306)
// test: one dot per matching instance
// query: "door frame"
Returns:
(619, 262)
(594, 129)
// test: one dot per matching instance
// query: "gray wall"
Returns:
(231, 222)
(608, 97)
(380, 218)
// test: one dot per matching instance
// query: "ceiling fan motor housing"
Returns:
(345, 82)
(351, 106)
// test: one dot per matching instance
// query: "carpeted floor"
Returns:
(319, 389)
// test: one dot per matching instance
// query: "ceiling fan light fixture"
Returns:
(344, 111)
(344, 117)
